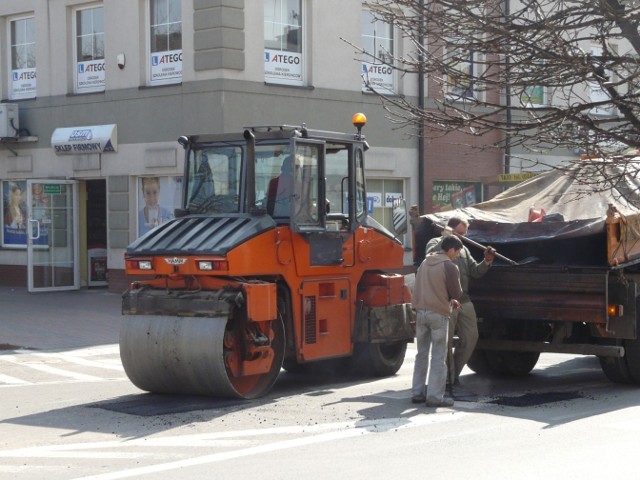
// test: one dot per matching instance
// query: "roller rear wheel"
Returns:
(378, 359)
(203, 356)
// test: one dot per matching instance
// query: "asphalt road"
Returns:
(58, 320)
(67, 411)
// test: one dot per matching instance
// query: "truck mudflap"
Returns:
(388, 324)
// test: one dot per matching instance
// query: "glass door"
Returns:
(52, 240)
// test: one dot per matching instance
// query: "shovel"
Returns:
(484, 249)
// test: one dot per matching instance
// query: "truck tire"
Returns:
(503, 363)
(624, 369)
(632, 357)
(615, 369)
(632, 351)
(378, 359)
(478, 363)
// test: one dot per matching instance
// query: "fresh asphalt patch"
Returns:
(6, 346)
(153, 404)
(535, 399)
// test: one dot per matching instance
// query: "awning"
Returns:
(85, 140)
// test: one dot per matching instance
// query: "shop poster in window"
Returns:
(158, 197)
(453, 194)
(14, 209)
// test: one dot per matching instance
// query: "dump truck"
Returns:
(567, 277)
(272, 261)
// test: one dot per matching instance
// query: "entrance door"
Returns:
(52, 240)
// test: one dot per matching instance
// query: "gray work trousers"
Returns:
(464, 323)
(431, 338)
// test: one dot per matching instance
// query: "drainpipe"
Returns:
(507, 92)
(421, 106)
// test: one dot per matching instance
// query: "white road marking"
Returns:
(63, 382)
(80, 360)
(49, 369)
(25, 358)
(12, 380)
(242, 439)
(342, 431)
(113, 349)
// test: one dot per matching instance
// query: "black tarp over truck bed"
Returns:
(576, 287)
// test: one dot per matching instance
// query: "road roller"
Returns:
(272, 262)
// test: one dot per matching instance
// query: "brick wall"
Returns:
(460, 157)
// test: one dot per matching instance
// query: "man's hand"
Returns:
(455, 304)
(489, 254)
(446, 231)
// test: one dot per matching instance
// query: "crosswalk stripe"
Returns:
(49, 369)
(80, 360)
(6, 379)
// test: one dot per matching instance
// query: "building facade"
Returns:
(95, 95)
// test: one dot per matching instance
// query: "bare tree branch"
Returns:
(571, 69)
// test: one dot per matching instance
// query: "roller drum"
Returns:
(168, 354)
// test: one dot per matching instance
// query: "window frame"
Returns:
(30, 72)
(383, 72)
(596, 92)
(525, 98)
(294, 74)
(307, 216)
(172, 74)
(99, 63)
(470, 92)
(380, 200)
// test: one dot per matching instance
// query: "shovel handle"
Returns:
(479, 245)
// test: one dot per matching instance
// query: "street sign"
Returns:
(515, 177)
(52, 189)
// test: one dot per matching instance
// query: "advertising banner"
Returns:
(15, 214)
(23, 83)
(283, 66)
(90, 77)
(166, 66)
(158, 197)
(85, 140)
(379, 76)
(450, 194)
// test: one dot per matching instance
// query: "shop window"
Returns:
(381, 193)
(165, 42)
(22, 83)
(531, 96)
(452, 194)
(597, 94)
(461, 63)
(534, 96)
(283, 52)
(89, 50)
(377, 61)
(14, 209)
(158, 197)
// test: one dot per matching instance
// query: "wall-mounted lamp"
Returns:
(120, 60)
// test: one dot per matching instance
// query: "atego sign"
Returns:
(85, 140)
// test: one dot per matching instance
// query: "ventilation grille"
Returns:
(310, 324)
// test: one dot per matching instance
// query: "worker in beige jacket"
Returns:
(436, 292)
(464, 321)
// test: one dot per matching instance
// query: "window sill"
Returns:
(78, 94)
(160, 85)
(388, 94)
(299, 87)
